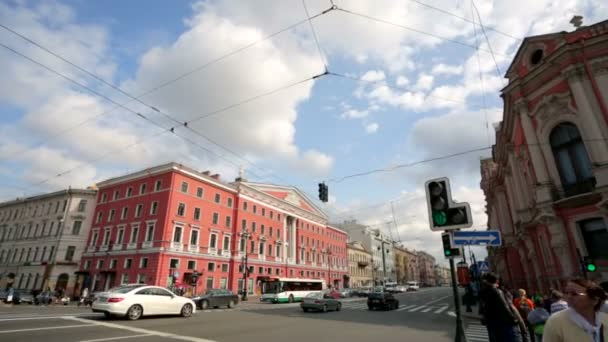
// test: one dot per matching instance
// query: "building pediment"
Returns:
(532, 52)
(289, 195)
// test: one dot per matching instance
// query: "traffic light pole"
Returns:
(460, 335)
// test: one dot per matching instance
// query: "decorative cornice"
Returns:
(574, 72)
(599, 66)
(551, 106)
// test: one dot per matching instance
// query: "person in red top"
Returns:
(524, 305)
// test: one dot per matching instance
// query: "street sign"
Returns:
(489, 238)
(483, 266)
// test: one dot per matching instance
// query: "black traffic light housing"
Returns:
(444, 213)
(589, 264)
(323, 192)
(448, 250)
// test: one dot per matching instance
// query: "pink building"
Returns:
(546, 186)
(164, 224)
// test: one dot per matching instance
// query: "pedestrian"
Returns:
(604, 307)
(525, 306)
(582, 321)
(84, 297)
(498, 314)
(537, 319)
(559, 303)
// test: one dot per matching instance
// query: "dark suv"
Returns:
(382, 300)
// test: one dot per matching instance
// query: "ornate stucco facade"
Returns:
(546, 185)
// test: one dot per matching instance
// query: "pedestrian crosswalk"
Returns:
(436, 309)
(476, 332)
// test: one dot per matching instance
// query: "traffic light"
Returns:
(589, 265)
(448, 250)
(323, 192)
(444, 214)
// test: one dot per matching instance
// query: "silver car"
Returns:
(318, 301)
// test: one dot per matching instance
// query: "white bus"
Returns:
(289, 290)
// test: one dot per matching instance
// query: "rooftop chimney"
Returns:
(207, 173)
(216, 176)
(241, 177)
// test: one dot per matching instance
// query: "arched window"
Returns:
(595, 237)
(572, 160)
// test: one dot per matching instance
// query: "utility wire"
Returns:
(314, 34)
(498, 72)
(362, 15)
(400, 166)
(481, 83)
(464, 19)
(172, 129)
(171, 81)
(382, 83)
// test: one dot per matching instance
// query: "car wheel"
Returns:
(325, 308)
(135, 312)
(396, 305)
(186, 310)
(305, 309)
(107, 315)
(204, 305)
(230, 304)
(290, 299)
(339, 307)
(370, 308)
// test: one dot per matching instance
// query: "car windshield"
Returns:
(124, 289)
(314, 295)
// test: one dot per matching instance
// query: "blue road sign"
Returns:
(488, 237)
(483, 266)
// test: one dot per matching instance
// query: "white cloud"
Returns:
(372, 128)
(402, 81)
(354, 114)
(373, 76)
(425, 82)
(444, 69)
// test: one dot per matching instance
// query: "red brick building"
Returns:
(546, 185)
(160, 225)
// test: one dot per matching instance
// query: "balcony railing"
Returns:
(581, 187)
(176, 246)
(147, 244)
(363, 263)
(193, 248)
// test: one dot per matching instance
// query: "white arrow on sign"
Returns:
(489, 239)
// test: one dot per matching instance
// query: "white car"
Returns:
(134, 301)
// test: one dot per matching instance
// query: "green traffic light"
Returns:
(448, 252)
(440, 218)
(591, 267)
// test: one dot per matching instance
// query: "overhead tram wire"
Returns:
(314, 34)
(383, 83)
(133, 98)
(386, 22)
(171, 129)
(499, 73)
(481, 82)
(180, 77)
(464, 19)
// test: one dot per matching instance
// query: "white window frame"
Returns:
(107, 233)
(116, 195)
(215, 219)
(174, 244)
(129, 192)
(158, 185)
(94, 237)
(201, 191)
(139, 210)
(124, 264)
(120, 236)
(99, 264)
(193, 247)
(179, 204)
(154, 208)
(229, 202)
(134, 237)
(217, 198)
(213, 248)
(141, 262)
(181, 187)
(226, 249)
(148, 242)
(124, 213)
(111, 215)
(123, 280)
(142, 188)
(99, 217)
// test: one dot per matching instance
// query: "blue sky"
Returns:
(319, 130)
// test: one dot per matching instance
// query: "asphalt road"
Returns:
(427, 315)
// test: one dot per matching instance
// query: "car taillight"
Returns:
(115, 300)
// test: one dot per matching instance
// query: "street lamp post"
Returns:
(382, 242)
(245, 235)
(327, 253)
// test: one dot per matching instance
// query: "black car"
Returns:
(215, 298)
(382, 300)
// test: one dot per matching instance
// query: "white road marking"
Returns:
(416, 309)
(140, 330)
(30, 317)
(115, 338)
(405, 307)
(441, 309)
(427, 310)
(45, 328)
(437, 300)
(451, 313)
